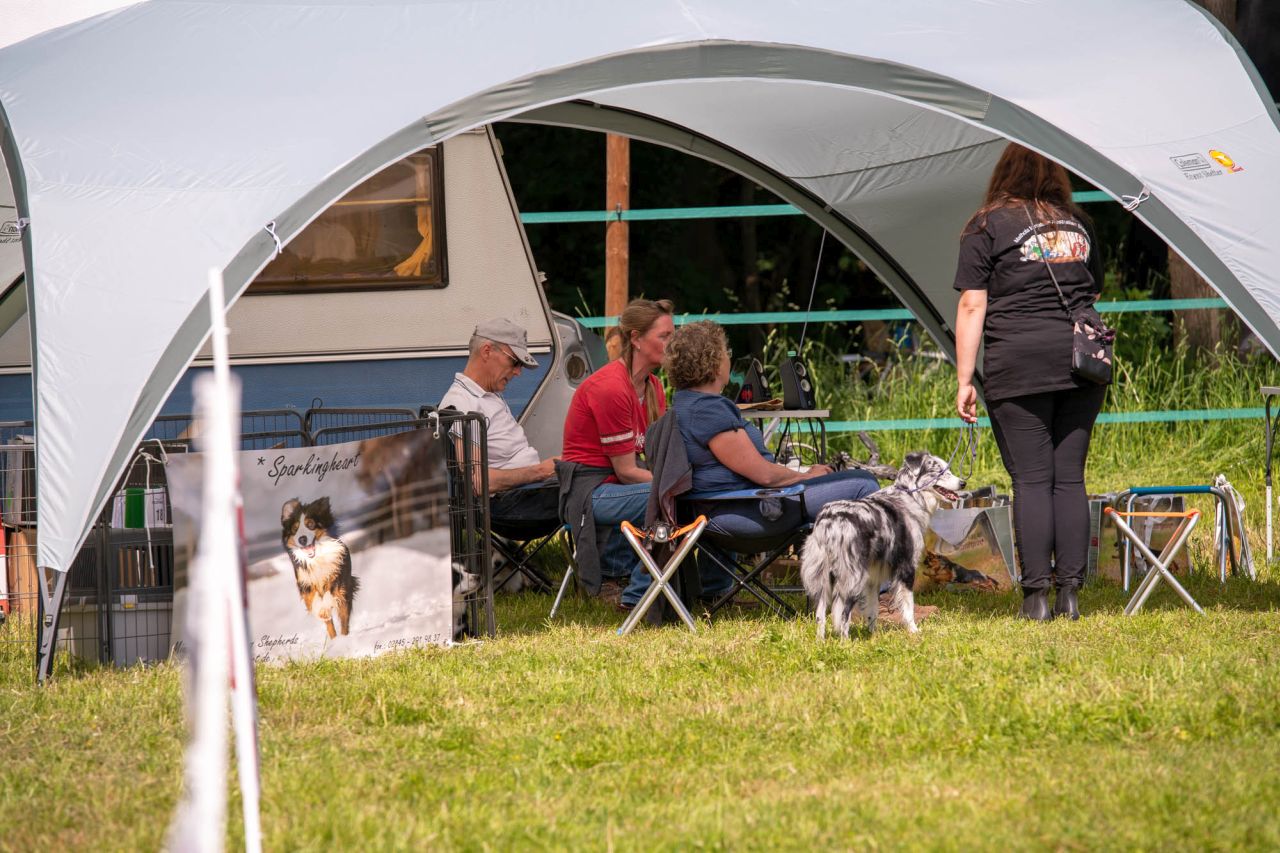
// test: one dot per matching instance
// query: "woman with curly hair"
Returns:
(728, 453)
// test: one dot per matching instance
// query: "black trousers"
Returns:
(533, 502)
(1043, 440)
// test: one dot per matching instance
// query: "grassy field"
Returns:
(1155, 732)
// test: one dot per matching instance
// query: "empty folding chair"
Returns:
(1158, 566)
(677, 543)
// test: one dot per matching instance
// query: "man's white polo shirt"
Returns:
(508, 445)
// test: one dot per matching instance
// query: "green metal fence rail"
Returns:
(917, 424)
(908, 424)
(662, 214)
(763, 317)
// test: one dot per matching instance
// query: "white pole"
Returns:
(1269, 551)
(244, 697)
(219, 652)
(200, 824)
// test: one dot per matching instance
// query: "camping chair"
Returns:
(675, 512)
(724, 551)
(1159, 566)
(519, 541)
(1228, 526)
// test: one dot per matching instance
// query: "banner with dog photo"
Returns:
(348, 545)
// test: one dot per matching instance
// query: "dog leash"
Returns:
(968, 440)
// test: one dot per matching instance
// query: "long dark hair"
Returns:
(639, 316)
(1023, 176)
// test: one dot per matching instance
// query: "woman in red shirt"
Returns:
(604, 433)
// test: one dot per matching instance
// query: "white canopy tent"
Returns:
(151, 143)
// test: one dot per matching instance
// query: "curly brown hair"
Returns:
(694, 353)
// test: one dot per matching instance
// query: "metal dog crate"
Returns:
(468, 482)
(468, 465)
(324, 418)
(262, 429)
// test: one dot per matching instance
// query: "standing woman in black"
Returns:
(1042, 416)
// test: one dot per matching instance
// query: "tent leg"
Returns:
(50, 610)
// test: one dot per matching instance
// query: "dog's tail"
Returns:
(830, 559)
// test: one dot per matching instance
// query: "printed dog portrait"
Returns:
(321, 562)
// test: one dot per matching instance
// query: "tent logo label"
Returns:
(1225, 161)
(10, 232)
(1195, 167)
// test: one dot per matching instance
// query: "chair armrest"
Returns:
(746, 494)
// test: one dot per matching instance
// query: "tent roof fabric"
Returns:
(154, 142)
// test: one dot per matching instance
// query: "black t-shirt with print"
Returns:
(1027, 335)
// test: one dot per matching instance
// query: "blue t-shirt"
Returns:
(701, 418)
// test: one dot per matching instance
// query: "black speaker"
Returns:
(746, 382)
(797, 385)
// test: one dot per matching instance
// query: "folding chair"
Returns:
(1159, 566)
(682, 514)
(720, 549)
(661, 535)
(519, 542)
(1227, 525)
(716, 548)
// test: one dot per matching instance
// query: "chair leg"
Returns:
(748, 580)
(518, 558)
(564, 585)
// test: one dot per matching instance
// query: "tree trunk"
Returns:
(1202, 330)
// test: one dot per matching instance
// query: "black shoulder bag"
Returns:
(1092, 341)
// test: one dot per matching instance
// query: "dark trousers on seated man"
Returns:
(531, 502)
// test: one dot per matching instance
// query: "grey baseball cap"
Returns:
(500, 330)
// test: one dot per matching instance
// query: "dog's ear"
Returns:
(915, 458)
(289, 508)
(321, 510)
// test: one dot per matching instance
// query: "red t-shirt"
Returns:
(606, 417)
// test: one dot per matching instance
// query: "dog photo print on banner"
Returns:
(348, 545)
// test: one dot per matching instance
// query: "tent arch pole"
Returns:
(747, 60)
(52, 585)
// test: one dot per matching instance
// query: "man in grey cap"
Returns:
(499, 350)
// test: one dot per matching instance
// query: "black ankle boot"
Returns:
(1035, 605)
(1065, 604)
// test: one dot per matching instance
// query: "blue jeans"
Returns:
(742, 519)
(611, 504)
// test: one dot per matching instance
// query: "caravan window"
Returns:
(387, 232)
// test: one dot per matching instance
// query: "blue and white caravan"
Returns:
(436, 236)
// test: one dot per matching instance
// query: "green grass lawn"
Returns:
(1160, 731)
